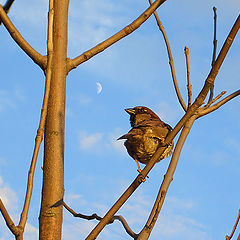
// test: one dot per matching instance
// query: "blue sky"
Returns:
(203, 200)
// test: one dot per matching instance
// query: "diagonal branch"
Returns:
(95, 216)
(214, 100)
(40, 130)
(22, 43)
(171, 63)
(168, 177)
(7, 7)
(73, 63)
(8, 219)
(234, 227)
(190, 112)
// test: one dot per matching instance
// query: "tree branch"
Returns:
(168, 177)
(16, 231)
(208, 110)
(95, 216)
(7, 7)
(40, 130)
(214, 49)
(191, 111)
(189, 86)
(214, 100)
(234, 228)
(22, 43)
(73, 63)
(171, 62)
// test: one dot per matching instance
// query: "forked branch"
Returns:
(214, 107)
(95, 216)
(73, 63)
(22, 43)
(40, 130)
(190, 112)
(168, 177)
(171, 62)
(16, 231)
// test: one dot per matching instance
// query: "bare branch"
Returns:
(40, 130)
(189, 86)
(168, 177)
(171, 62)
(95, 216)
(22, 43)
(204, 111)
(73, 63)
(208, 82)
(8, 5)
(214, 100)
(8, 219)
(234, 227)
(191, 111)
(214, 49)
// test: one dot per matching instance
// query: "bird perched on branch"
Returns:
(148, 133)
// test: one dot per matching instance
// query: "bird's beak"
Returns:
(130, 111)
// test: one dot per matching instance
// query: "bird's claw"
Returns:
(143, 179)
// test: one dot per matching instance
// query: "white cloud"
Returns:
(179, 227)
(89, 141)
(30, 232)
(10, 99)
(136, 211)
(8, 196)
(5, 100)
(99, 142)
(36, 12)
(91, 22)
(180, 203)
(167, 112)
(83, 99)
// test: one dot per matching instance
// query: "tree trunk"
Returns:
(50, 220)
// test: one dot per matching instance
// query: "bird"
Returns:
(147, 134)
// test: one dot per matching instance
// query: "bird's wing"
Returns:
(133, 132)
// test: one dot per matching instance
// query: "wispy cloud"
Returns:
(10, 200)
(89, 141)
(11, 98)
(169, 226)
(101, 141)
(8, 196)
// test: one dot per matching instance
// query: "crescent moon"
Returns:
(99, 87)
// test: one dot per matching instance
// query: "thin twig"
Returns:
(73, 63)
(95, 216)
(189, 86)
(208, 110)
(22, 43)
(40, 130)
(171, 62)
(214, 49)
(234, 227)
(191, 111)
(214, 100)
